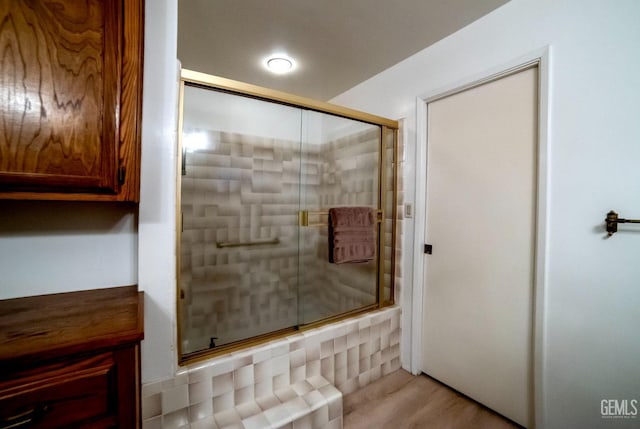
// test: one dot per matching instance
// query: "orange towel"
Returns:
(351, 235)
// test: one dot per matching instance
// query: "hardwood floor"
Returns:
(403, 401)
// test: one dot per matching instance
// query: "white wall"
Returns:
(225, 112)
(219, 111)
(51, 247)
(157, 225)
(591, 312)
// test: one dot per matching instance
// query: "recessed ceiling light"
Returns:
(279, 64)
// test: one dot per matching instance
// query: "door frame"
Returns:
(541, 59)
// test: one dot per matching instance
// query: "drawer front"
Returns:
(76, 393)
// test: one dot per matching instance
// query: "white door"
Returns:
(480, 220)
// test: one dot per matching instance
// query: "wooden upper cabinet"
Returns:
(70, 99)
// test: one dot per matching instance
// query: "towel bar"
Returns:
(222, 244)
(612, 220)
(305, 215)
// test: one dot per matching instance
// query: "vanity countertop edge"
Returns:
(47, 327)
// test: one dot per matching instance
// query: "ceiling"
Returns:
(336, 43)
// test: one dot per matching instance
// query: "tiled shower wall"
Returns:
(347, 176)
(244, 189)
(247, 189)
(349, 354)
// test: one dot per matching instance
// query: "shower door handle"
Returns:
(305, 215)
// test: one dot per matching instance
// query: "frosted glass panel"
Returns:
(339, 168)
(239, 202)
(250, 170)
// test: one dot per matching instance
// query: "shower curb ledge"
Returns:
(290, 383)
(312, 403)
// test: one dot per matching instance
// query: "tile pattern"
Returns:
(388, 210)
(348, 167)
(241, 189)
(245, 188)
(234, 389)
(400, 220)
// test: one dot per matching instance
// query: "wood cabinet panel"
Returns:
(71, 359)
(60, 395)
(70, 93)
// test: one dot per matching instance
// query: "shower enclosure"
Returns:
(258, 172)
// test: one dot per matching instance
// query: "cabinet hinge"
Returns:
(428, 249)
(122, 171)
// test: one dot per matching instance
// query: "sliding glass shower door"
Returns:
(240, 193)
(256, 182)
(340, 168)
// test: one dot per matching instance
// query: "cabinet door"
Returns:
(73, 393)
(69, 96)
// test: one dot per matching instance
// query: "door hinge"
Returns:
(122, 171)
(428, 249)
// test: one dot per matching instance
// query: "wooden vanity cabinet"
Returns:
(70, 99)
(71, 360)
